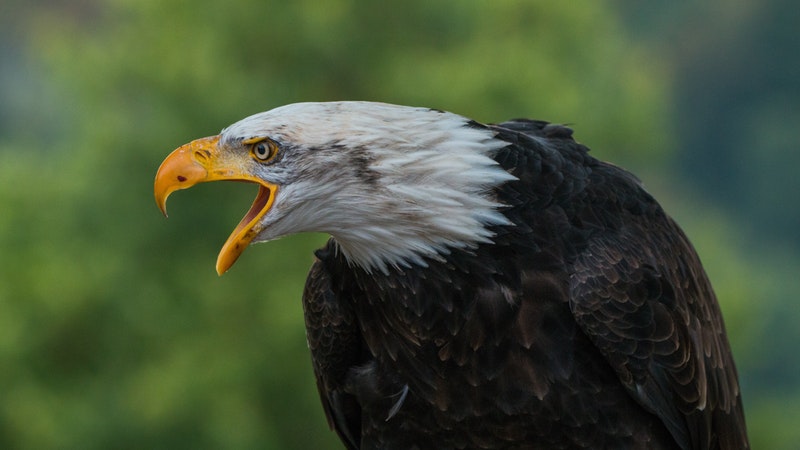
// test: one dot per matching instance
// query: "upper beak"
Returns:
(200, 161)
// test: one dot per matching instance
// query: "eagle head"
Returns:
(393, 185)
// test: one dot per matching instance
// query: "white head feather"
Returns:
(392, 184)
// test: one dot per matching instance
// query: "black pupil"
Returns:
(262, 151)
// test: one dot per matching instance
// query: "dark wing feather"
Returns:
(635, 288)
(640, 293)
(335, 343)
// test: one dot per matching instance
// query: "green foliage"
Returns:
(115, 331)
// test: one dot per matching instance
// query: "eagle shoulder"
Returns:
(640, 293)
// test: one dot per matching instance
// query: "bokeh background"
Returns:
(115, 331)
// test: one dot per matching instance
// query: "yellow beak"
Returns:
(200, 161)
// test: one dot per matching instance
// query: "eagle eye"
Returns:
(264, 150)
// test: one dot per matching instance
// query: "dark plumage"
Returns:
(541, 339)
(586, 322)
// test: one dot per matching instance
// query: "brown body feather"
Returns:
(588, 323)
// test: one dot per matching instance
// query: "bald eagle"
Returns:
(485, 286)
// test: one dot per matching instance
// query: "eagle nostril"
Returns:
(201, 156)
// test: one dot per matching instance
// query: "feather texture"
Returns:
(394, 185)
(588, 322)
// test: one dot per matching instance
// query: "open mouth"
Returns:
(256, 211)
(247, 228)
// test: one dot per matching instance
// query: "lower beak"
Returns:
(201, 161)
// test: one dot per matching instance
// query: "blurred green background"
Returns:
(115, 331)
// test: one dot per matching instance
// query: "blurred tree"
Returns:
(740, 78)
(114, 330)
(737, 86)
